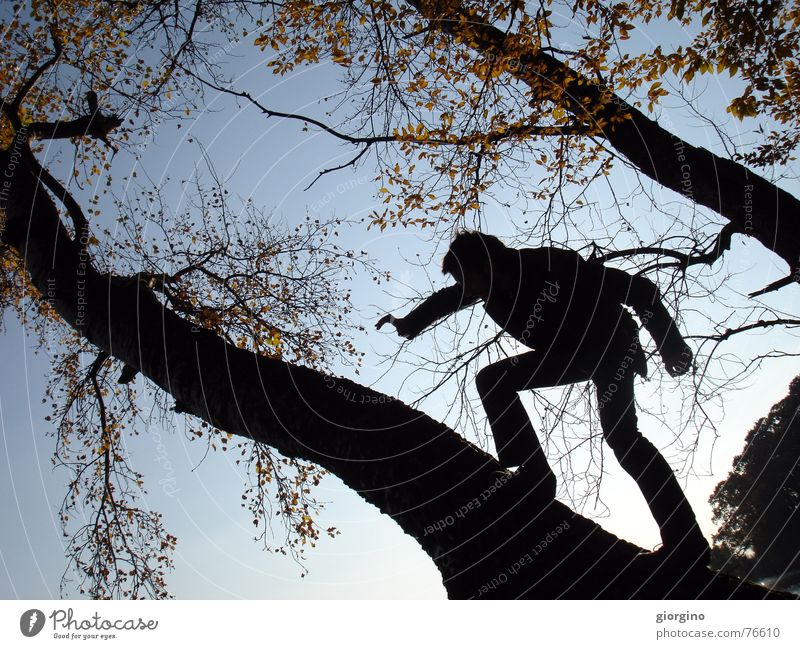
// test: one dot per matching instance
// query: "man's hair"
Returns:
(472, 250)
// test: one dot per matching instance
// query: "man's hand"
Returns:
(677, 358)
(399, 324)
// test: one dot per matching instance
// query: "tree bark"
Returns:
(754, 206)
(486, 533)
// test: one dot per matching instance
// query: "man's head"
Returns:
(473, 261)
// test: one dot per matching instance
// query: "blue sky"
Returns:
(272, 161)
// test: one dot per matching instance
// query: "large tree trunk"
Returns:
(487, 535)
(753, 205)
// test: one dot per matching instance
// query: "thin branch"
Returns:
(173, 64)
(350, 163)
(14, 105)
(714, 252)
(753, 325)
(521, 129)
(242, 94)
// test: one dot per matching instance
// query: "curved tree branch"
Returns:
(721, 244)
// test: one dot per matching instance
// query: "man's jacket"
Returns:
(553, 299)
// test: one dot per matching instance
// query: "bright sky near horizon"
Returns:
(272, 161)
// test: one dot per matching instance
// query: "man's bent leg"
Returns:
(680, 534)
(514, 435)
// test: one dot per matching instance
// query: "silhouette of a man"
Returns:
(570, 311)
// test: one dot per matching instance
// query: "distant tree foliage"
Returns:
(757, 504)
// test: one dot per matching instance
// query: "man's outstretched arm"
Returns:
(439, 305)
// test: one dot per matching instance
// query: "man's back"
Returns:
(552, 300)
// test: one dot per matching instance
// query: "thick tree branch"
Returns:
(776, 285)
(79, 220)
(96, 125)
